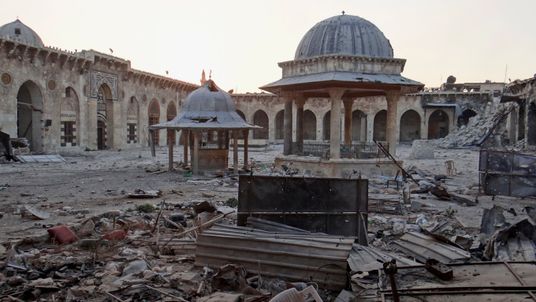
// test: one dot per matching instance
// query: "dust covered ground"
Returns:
(96, 182)
(89, 187)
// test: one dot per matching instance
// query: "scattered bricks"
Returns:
(115, 235)
(62, 234)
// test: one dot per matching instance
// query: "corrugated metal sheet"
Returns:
(41, 158)
(317, 258)
(270, 226)
(366, 258)
(423, 247)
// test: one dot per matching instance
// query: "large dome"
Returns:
(344, 35)
(18, 31)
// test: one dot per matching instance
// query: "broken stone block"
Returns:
(422, 149)
(62, 234)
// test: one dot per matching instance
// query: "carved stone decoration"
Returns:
(98, 78)
(6, 78)
(51, 85)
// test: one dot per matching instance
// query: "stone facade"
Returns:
(64, 100)
(71, 101)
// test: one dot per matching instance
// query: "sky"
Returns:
(241, 41)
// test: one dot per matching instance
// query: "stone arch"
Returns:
(410, 126)
(280, 124)
(309, 125)
(466, 115)
(326, 126)
(260, 118)
(380, 126)
(105, 117)
(133, 121)
(171, 113)
(359, 126)
(29, 115)
(438, 124)
(242, 115)
(154, 118)
(69, 119)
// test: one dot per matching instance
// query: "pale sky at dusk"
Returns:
(242, 41)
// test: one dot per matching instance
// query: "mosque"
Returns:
(343, 87)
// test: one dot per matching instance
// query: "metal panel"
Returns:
(423, 247)
(309, 258)
(321, 205)
(507, 173)
(365, 259)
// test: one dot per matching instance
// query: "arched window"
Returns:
(260, 118)
(438, 124)
(380, 126)
(410, 126)
(309, 125)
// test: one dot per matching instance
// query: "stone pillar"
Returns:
(348, 121)
(392, 131)
(335, 96)
(195, 153)
(300, 101)
(287, 134)
(186, 137)
(370, 128)
(246, 132)
(235, 151)
(363, 129)
(512, 131)
(424, 125)
(92, 124)
(170, 133)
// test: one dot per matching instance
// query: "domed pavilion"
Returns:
(208, 120)
(341, 58)
(21, 33)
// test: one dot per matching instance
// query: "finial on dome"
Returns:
(203, 78)
(343, 12)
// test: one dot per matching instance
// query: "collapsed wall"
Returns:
(480, 129)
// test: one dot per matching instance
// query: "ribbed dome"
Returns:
(344, 35)
(209, 97)
(19, 32)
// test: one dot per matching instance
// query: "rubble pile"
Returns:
(477, 129)
(415, 244)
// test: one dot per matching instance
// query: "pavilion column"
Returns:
(287, 125)
(195, 153)
(392, 101)
(246, 164)
(235, 151)
(186, 138)
(348, 121)
(335, 96)
(300, 101)
(170, 134)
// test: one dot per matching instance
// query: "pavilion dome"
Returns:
(344, 35)
(207, 107)
(209, 98)
(20, 32)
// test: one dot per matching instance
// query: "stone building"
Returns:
(71, 101)
(523, 122)
(62, 100)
